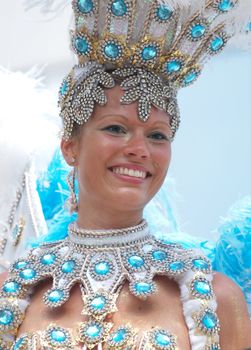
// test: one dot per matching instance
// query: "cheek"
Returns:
(162, 159)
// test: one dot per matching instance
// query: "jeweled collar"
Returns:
(108, 238)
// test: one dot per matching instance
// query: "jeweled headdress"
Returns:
(151, 47)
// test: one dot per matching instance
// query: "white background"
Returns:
(212, 151)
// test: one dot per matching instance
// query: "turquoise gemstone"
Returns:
(164, 13)
(11, 287)
(136, 261)
(173, 66)
(102, 268)
(18, 343)
(209, 320)
(198, 31)
(98, 303)
(189, 78)
(217, 43)
(68, 266)
(20, 265)
(55, 296)
(249, 26)
(81, 45)
(119, 8)
(176, 266)
(202, 287)
(200, 264)
(64, 88)
(225, 5)
(111, 50)
(58, 336)
(162, 339)
(28, 274)
(93, 331)
(159, 255)
(149, 53)
(119, 336)
(85, 6)
(48, 259)
(6, 317)
(143, 287)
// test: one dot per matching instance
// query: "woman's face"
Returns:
(121, 160)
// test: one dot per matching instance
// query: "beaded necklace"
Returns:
(100, 262)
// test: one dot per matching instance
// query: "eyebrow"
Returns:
(126, 118)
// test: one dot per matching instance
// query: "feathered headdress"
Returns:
(153, 47)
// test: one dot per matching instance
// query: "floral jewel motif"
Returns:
(84, 7)
(208, 321)
(79, 103)
(201, 264)
(163, 13)
(82, 45)
(147, 88)
(142, 288)
(201, 288)
(121, 338)
(217, 43)
(93, 332)
(160, 339)
(100, 304)
(11, 315)
(55, 337)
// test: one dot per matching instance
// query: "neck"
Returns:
(106, 218)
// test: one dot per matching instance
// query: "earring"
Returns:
(72, 202)
(73, 160)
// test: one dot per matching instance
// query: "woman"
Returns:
(137, 292)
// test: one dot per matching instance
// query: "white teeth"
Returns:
(130, 172)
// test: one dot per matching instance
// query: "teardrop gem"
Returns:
(11, 287)
(85, 6)
(102, 268)
(136, 261)
(217, 43)
(198, 31)
(173, 66)
(209, 320)
(225, 5)
(149, 53)
(119, 8)
(164, 13)
(81, 45)
(6, 317)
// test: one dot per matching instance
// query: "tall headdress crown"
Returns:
(154, 47)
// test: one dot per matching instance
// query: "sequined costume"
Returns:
(151, 49)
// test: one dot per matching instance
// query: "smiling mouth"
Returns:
(131, 172)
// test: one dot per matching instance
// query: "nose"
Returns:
(137, 147)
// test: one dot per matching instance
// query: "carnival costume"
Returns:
(151, 49)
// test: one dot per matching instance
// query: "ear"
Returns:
(69, 150)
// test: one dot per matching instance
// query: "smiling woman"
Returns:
(121, 162)
(120, 116)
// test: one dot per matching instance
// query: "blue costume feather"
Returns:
(231, 255)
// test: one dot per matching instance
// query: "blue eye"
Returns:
(115, 129)
(158, 136)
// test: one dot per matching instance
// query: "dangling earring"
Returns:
(72, 202)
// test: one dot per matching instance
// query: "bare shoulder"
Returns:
(233, 314)
(3, 277)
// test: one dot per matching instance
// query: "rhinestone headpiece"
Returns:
(152, 47)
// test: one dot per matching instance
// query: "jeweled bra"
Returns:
(100, 262)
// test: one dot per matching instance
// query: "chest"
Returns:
(163, 310)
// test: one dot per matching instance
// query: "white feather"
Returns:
(27, 130)
(47, 6)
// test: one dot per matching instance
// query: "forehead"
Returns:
(115, 107)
